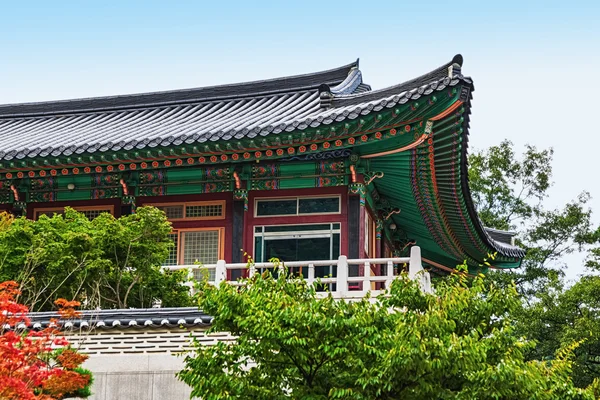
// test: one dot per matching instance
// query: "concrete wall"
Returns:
(137, 377)
(140, 363)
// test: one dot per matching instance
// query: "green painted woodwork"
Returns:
(433, 211)
(297, 183)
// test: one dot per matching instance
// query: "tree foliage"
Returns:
(510, 193)
(457, 344)
(30, 366)
(106, 262)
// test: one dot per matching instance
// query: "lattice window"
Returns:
(91, 214)
(204, 211)
(172, 259)
(201, 246)
(172, 212)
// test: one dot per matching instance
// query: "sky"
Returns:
(535, 64)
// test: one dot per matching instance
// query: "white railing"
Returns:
(341, 283)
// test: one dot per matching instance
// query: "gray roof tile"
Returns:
(198, 115)
(135, 318)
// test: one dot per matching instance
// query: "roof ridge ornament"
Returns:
(455, 66)
(325, 96)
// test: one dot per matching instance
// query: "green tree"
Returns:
(106, 262)
(510, 192)
(457, 344)
(561, 316)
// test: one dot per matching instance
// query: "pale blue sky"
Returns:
(536, 64)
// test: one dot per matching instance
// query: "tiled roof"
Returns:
(501, 235)
(183, 96)
(503, 242)
(127, 318)
(168, 118)
(199, 115)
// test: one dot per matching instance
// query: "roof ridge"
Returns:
(286, 84)
(447, 70)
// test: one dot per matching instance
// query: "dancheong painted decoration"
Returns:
(314, 165)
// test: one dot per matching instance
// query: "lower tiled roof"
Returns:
(126, 319)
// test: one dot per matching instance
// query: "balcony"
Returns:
(343, 282)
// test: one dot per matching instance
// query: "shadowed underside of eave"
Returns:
(427, 184)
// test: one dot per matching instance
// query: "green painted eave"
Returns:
(434, 209)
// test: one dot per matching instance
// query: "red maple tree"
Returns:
(36, 365)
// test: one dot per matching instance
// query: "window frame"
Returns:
(181, 245)
(320, 233)
(109, 207)
(298, 198)
(185, 204)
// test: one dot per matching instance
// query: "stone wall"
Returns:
(139, 364)
(137, 377)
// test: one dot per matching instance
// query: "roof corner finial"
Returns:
(455, 66)
(325, 96)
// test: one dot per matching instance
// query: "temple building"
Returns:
(306, 167)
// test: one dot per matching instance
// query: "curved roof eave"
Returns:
(504, 249)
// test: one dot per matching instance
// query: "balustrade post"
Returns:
(390, 274)
(426, 287)
(311, 274)
(367, 275)
(220, 272)
(342, 277)
(191, 280)
(414, 266)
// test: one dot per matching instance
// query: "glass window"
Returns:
(298, 249)
(258, 248)
(335, 245)
(297, 242)
(277, 207)
(297, 228)
(300, 243)
(319, 205)
(298, 206)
